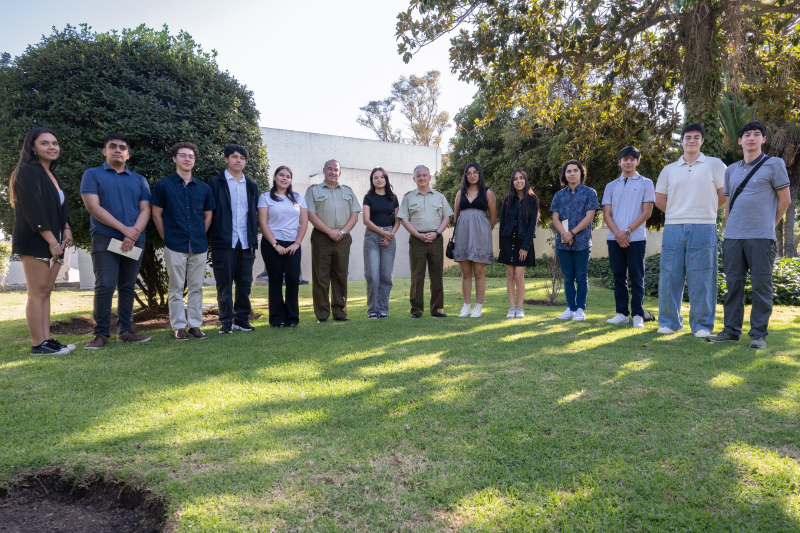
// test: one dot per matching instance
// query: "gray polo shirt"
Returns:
(626, 196)
(753, 214)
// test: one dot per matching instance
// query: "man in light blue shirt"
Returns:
(627, 204)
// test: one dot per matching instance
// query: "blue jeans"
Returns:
(113, 272)
(688, 255)
(378, 266)
(575, 267)
(627, 265)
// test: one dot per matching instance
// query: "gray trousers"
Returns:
(738, 257)
(378, 266)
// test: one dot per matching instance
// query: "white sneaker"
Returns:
(566, 315)
(512, 313)
(667, 331)
(579, 315)
(465, 310)
(477, 311)
(701, 333)
(638, 322)
(520, 312)
(618, 319)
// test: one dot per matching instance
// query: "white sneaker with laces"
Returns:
(701, 333)
(667, 331)
(477, 311)
(619, 318)
(465, 310)
(579, 315)
(520, 312)
(566, 315)
(512, 313)
(638, 322)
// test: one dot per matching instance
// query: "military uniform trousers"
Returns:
(330, 262)
(430, 255)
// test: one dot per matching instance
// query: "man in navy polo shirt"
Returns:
(182, 207)
(118, 202)
(627, 204)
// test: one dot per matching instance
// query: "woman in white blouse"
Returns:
(283, 219)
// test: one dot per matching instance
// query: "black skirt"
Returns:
(509, 253)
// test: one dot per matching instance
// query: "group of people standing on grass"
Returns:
(227, 213)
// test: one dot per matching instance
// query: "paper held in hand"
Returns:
(116, 246)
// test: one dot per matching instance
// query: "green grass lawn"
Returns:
(421, 425)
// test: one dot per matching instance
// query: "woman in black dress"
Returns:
(518, 218)
(41, 231)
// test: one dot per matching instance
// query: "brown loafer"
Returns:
(196, 333)
(98, 342)
(131, 336)
(180, 334)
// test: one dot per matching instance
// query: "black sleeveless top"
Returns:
(478, 203)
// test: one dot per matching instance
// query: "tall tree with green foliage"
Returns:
(541, 55)
(154, 87)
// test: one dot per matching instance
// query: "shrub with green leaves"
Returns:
(156, 88)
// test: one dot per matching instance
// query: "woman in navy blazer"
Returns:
(41, 231)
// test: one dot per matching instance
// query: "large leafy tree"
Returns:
(154, 87)
(539, 55)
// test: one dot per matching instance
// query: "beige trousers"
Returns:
(185, 270)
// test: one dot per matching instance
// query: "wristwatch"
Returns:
(628, 233)
(437, 234)
(275, 245)
(343, 232)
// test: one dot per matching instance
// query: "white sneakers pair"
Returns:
(619, 318)
(572, 315)
(476, 312)
(515, 312)
(700, 333)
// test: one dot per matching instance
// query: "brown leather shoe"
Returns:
(196, 333)
(131, 336)
(98, 342)
(180, 334)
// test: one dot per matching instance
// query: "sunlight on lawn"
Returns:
(412, 363)
(768, 475)
(627, 368)
(571, 397)
(725, 380)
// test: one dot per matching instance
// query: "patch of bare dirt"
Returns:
(47, 502)
(531, 301)
(144, 319)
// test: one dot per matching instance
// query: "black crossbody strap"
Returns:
(742, 185)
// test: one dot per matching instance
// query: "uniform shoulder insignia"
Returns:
(408, 192)
(347, 187)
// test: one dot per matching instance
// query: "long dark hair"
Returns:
(481, 180)
(389, 191)
(26, 155)
(580, 166)
(273, 190)
(527, 193)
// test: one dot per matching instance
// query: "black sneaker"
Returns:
(342, 319)
(243, 326)
(723, 336)
(373, 315)
(225, 329)
(757, 342)
(46, 348)
(383, 316)
(58, 346)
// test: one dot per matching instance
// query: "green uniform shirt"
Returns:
(332, 205)
(424, 211)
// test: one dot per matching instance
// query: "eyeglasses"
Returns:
(190, 157)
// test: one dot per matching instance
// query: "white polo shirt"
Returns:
(691, 190)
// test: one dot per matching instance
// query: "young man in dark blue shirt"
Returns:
(182, 206)
(118, 202)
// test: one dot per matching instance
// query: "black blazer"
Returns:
(525, 232)
(220, 232)
(38, 209)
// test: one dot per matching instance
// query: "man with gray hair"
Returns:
(425, 213)
(333, 211)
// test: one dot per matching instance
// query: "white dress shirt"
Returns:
(238, 190)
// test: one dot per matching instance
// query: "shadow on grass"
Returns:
(485, 424)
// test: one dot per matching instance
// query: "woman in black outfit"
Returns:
(518, 217)
(41, 231)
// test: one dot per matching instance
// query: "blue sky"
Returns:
(310, 63)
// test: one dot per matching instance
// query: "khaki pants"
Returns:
(185, 270)
(420, 255)
(330, 263)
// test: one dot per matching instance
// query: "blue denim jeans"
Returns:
(575, 267)
(688, 256)
(113, 272)
(378, 266)
(627, 268)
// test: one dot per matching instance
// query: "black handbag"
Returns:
(451, 244)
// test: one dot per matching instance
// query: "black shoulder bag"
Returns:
(451, 245)
(742, 185)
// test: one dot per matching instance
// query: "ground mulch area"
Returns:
(531, 301)
(48, 503)
(143, 319)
